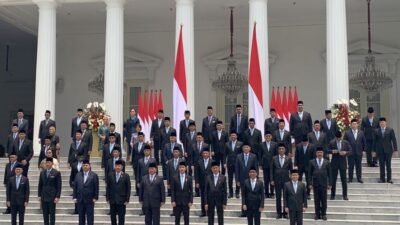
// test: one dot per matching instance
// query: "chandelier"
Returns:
(231, 82)
(97, 84)
(370, 78)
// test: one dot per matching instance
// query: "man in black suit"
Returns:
(12, 137)
(329, 125)
(118, 193)
(232, 149)
(253, 197)
(318, 137)
(197, 148)
(55, 140)
(269, 150)
(319, 175)
(130, 127)
(43, 151)
(300, 123)
(215, 194)
(190, 139)
(283, 136)
(111, 163)
(253, 137)
(24, 150)
(209, 125)
(358, 144)
(280, 169)
(137, 151)
(218, 142)
(76, 122)
(168, 152)
(76, 168)
(77, 147)
(182, 194)
(272, 123)
(143, 166)
(385, 144)
(10, 172)
(244, 161)
(86, 193)
(49, 191)
(107, 152)
(116, 134)
(152, 195)
(173, 167)
(369, 124)
(87, 137)
(17, 194)
(155, 134)
(201, 171)
(184, 126)
(23, 124)
(340, 150)
(44, 126)
(305, 152)
(295, 199)
(239, 123)
(166, 132)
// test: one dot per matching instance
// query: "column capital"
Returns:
(46, 3)
(115, 3)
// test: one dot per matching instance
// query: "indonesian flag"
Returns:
(140, 108)
(160, 101)
(179, 85)
(146, 127)
(255, 85)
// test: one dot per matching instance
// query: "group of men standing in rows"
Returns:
(204, 158)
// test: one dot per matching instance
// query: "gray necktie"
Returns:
(282, 161)
(175, 163)
(295, 187)
(85, 177)
(118, 176)
(20, 144)
(48, 172)
(319, 163)
(215, 180)
(246, 159)
(182, 181)
(17, 182)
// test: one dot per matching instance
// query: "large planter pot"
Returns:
(95, 145)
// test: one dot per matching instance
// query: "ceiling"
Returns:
(159, 15)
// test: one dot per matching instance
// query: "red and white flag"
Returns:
(273, 99)
(145, 126)
(140, 108)
(160, 101)
(255, 84)
(179, 85)
(295, 99)
(155, 105)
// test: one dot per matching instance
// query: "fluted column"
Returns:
(184, 17)
(114, 62)
(45, 86)
(258, 15)
(337, 62)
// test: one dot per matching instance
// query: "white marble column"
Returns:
(45, 86)
(114, 62)
(184, 17)
(258, 15)
(337, 62)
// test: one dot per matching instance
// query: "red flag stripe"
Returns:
(160, 101)
(180, 72)
(254, 70)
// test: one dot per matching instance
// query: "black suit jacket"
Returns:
(118, 192)
(197, 152)
(155, 131)
(44, 129)
(106, 154)
(357, 145)
(26, 151)
(8, 172)
(218, 145)
(165, 135)
(300, 127)
(208, 127)
(253, 199)
(117, 138)
(167, 153)
(319, 177)
(321, 142)
(339, 161)
(152, 194)
(171, 171)
(295, 201)
(244, 124)
(11, 142)
(137, 153)
(254, 141)
(18, 196)
(49, 186)
(330, 133)
(23, 126)
(368, 128)
(110, 165)
(143, 169)
(242, 171)
(182, 197)
(280, 175)
(75, 126)
(86, 192)
(87, 137)
(201, 172)
(287, 140)
(271, 126)
(189, 141)
(183, 129)
(302, 160)
(232, 153)
(387, 143)
(216, 194)
(73, 151)
(268, 154)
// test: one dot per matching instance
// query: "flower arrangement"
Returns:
(343, 115)
(95, 113)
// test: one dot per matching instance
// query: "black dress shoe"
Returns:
(390, 181)
(7, 212)
(332, 198)
(308, 197)
(171, 214)
(230, 196)
(381, 181)
(141, 214)
(278, 217)
(360, 181)
(197, 195)
(242, 215)
(350, 180)
(345, 198)
(202, 215)
(108, 213)
(324, 218)
(75, 213)
(317, 217)
(237, 196)
(285, 216)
